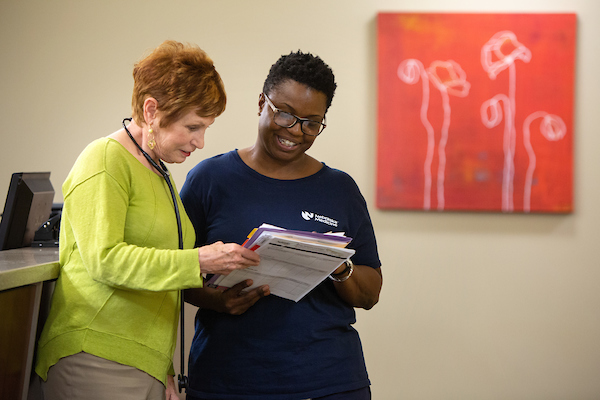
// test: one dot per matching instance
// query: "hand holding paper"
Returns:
(292, 262)
(223, 258)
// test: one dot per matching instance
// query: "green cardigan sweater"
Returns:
(117, 294)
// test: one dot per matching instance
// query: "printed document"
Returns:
(292, 263)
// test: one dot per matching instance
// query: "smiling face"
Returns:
(288, 145)
(176, 142)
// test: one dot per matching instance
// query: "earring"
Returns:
(151, 141)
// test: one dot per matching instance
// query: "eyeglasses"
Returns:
(287, 120)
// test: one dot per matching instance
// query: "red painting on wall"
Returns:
(475, 112)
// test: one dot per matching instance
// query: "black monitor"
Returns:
(28, 205)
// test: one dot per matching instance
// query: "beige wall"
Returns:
(474, 306)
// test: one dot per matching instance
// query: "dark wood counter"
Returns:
(26, 277)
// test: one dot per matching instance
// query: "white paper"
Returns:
(291, 268)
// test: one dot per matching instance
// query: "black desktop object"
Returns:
(28, 206)
(48, 233)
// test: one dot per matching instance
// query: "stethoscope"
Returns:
(181, 378)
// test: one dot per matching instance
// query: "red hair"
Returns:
(180, 78)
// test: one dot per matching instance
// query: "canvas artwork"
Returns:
(475, 112)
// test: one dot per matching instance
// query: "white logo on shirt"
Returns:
(319, 218)
(307, 215)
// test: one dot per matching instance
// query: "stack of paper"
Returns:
(292, 263)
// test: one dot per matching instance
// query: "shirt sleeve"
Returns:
(364, 241)
(96, 212)
(193, 203)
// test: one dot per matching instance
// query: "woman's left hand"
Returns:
(171, 393)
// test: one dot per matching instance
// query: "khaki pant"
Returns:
(84, 376)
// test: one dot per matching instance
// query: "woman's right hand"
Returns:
(236, 300)
(222, 258)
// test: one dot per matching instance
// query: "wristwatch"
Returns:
(345, 274)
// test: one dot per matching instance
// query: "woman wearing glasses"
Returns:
(252, 346)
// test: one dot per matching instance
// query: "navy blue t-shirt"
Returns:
(278, 349)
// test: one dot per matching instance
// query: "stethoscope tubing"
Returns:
(162, 169)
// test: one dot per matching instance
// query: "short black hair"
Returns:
(303, 68)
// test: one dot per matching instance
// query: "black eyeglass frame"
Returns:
(297, 119)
